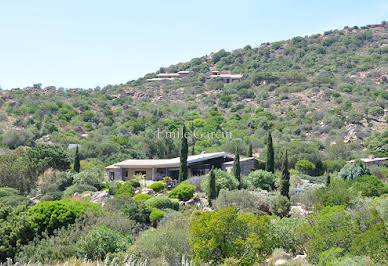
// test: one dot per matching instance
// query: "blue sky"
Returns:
(89, 43)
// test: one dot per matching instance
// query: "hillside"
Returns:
(323, 89)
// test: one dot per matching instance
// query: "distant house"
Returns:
(373, 161)
(156, 169)
(72, 146)
(226, 76)
(169, 76)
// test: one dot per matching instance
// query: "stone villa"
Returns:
(156, 169)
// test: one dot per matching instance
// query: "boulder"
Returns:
(99, 196)
(147, 191)
(190, 202)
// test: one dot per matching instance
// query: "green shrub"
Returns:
(78, 188)
(62, 245)
(15, 201)
(226, 233)
(134, 183)
(183, 192)
(49, 181)
(161, 202)
(141, 197)
(7, 191)
(157, 186)
(353, 170)
(51, 196)
(370, 186)
(101, 241)
(333, 165)
(169, 241)
(242, 199)
(92, 177)
(348, 232)
(284, 234)
(224, 180)
(125, 190)
(305, 167)
(134, 210)
(48, 216)
(15, 230)
(337, 193)
(260, 179)
(280, 206)
(156, 215)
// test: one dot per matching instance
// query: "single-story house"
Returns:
(226, 76)
(156, 169)
(373, 161)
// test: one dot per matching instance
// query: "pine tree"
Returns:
(250, 150)
(183, 171)
(77, 165)
(270, 163)
(237, 169)
(212, 187)
(285, 180)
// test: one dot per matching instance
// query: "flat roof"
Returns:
(368, 160)
(161, 163)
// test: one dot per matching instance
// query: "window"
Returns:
(140, 172)
(126, 173)
(112, 176)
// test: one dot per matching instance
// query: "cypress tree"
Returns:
(183, 171)
(212, 187)
(270, 163)
(250, 150)
(77, 165)
(193, 149)
(328, 180)
(285, 181)
(237, 169)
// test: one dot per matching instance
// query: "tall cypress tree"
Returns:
(183, 171)
(250, 150)
(237, 169)
(270, 163)
(285, 181)
(77, 165)
(328, 179)
(212, 187)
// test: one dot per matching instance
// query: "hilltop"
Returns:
(323, 89)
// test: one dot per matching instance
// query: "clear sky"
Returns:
(89, 43)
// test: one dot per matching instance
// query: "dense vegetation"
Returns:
(322, 89)
(304, 108)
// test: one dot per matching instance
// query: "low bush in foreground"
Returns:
(141, 197)
(357, 233)
(156, 215)
(243, 199)
(370, 186)
(280, 206)
(101, 241)
(15, 200)
(182, 192)
(215, 236)
(157, 186)
(7, 191)
(161, 202)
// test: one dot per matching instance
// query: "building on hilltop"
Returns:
(226, 76)
(169, 76)
(156, 169)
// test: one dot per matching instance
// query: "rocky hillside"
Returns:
(324, 89)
